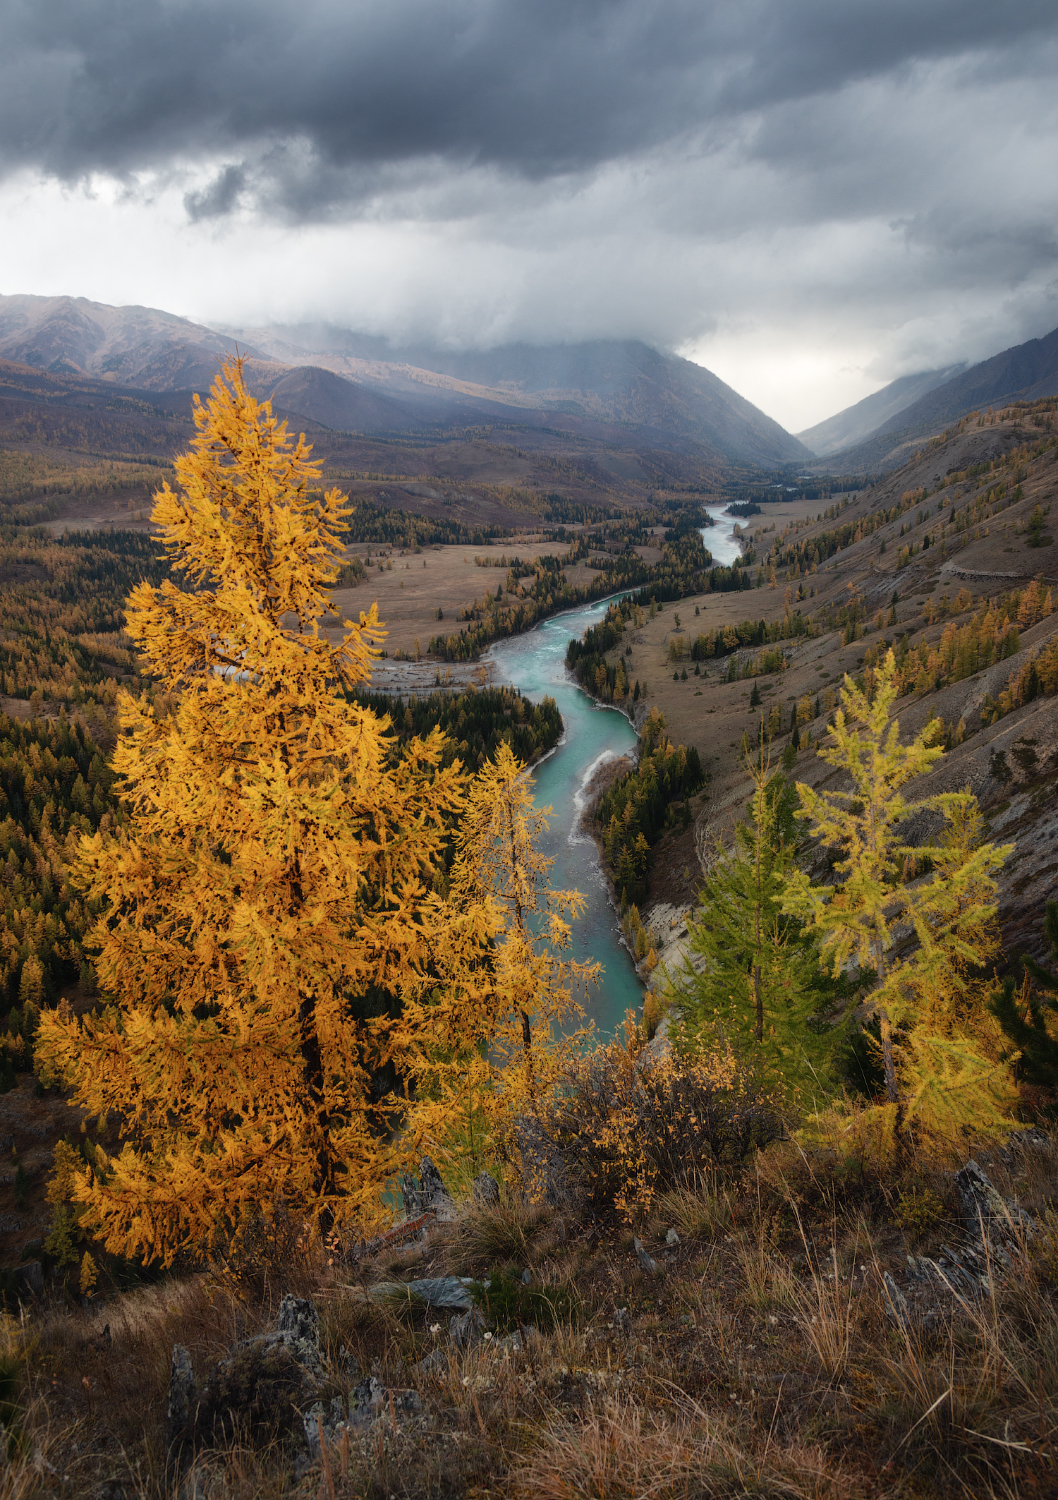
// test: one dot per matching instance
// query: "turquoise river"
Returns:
(535, 664)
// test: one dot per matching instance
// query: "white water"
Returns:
(535, 664)
(720, 539)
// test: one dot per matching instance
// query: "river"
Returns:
(535, 664)
(720, 539)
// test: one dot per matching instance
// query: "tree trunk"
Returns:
(891, 1092)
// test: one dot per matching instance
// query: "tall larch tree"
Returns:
(939, 1048)
(270, 906)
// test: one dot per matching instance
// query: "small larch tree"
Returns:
(270, 904)
(491, 1048)
(939, 1045)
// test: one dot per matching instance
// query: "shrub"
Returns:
(627, 1124)
(919, 1210)
(508, 1304)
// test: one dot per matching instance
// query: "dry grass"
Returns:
(760, 1360)
(512, 1232)
(623, 1452)
(696, 1213)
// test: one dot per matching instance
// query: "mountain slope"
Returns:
(1025, 372)
(858, 422)
(375, 387)
(141, 347)
(609, 380)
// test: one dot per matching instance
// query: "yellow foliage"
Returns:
(89, 1275)
(268, 908)
(498, 1044)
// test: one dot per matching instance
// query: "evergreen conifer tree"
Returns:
(1029, 1014)
(752, 973)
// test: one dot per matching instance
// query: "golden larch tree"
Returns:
(923, 937)
(269, 906)
(492, 1047)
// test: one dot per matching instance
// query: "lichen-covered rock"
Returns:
(486, 1190)
(256, 1392)
(180, 1408)
(467, 1329)
(645, 1259)
(985, 1212)
(432, 1192)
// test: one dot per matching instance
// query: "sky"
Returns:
(810, 197)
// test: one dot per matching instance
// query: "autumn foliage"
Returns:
(269, 910)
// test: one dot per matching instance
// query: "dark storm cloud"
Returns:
(318, 105)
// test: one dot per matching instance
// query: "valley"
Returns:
(950, 559)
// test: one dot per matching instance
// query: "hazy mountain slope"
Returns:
(335, 401)
(399, 388)
(1025, 372)
(858, 422)
(610, 380)
(131, 346)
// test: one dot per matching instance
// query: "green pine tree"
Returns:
(753, 973)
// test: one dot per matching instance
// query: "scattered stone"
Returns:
(672, 1238)
(986, 1214)
(433, 1364)
(451, 1292)
(996, 1229)
(527, 1277)
(467, 1329)
(181, 1403)
(646, 1260)
(368, 1396)
(30, 1278)
(409, 1191)
(622, 1321)
(433, 1194)
(258, 1389)
(896, 1304)
(1032, 1138)
(486, 1190)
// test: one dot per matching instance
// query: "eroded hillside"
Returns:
(944, 562)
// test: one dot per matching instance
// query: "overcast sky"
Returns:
(808, 196)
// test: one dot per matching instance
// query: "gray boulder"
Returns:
(433, 1193)
(486, 1190)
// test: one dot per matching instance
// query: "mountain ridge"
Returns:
(658, 398)
(1024, 372)
(857, 422)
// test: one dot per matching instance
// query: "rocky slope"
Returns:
(987, 474)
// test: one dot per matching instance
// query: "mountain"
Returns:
(349, 381)
(139, 347)
(856, 423)
(1025, 372)
(607, 380)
